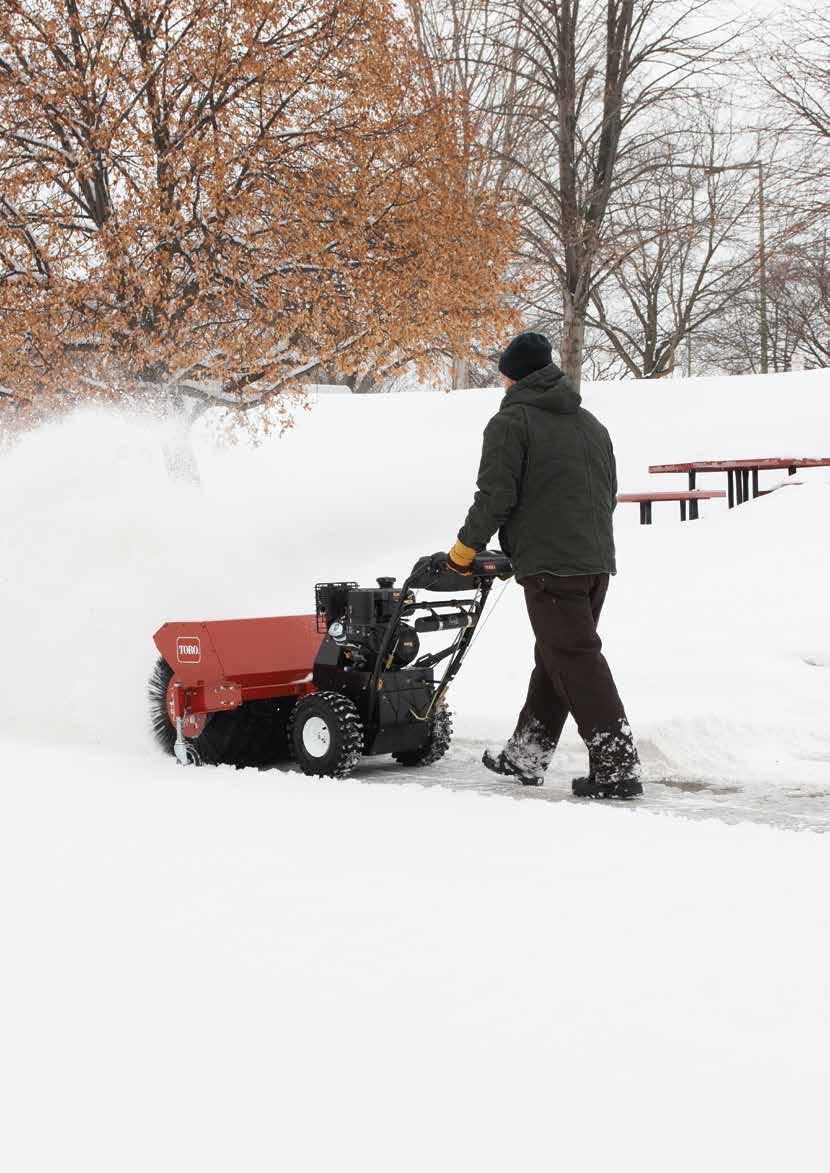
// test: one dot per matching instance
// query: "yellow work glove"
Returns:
(460, 558)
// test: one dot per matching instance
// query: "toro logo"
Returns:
(188, 649)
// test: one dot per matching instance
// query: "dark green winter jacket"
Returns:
(547, 481)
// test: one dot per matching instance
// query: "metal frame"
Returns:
(454, 653)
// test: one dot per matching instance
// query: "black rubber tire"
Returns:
(342, 727)
(252, 735)
(436, 744)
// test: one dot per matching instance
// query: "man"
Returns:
(548, 482)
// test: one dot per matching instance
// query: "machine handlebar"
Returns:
(487, 565)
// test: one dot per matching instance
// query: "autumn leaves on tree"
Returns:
(198, 194)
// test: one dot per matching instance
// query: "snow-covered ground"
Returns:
(252, 970)
(217, 970)
(717, 630)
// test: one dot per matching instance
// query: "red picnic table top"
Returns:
(738, 471)
(750, 463)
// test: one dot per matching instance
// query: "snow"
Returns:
(214, 970)
(217, 969)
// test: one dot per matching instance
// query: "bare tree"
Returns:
(476, 70)
(694, 249)
(593, 77)
(795, 71)
(798, 317)
(808, 298)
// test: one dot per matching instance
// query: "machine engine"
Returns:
(356, 619)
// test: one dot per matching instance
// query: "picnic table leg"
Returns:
(682, 510)
(745, 483)
(739, 487)
(693, 510)
(643, 513)
(692, 480)
(648, 512)
(791, 472)
(731, 483)
(755, 492)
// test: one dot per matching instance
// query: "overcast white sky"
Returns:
(770, 9)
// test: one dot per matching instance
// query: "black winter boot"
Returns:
(614, 765)
(526, 755)
(591, 788)
(500, 763)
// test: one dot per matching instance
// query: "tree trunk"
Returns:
(364, 384)
(573, 344)
(179, 455)
(460, 373)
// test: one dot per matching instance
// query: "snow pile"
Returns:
(717, 629)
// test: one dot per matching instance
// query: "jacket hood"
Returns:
(548, 389)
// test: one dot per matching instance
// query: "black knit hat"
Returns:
(525, 354)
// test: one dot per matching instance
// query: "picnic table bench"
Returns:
(692, 497)
(738, 472)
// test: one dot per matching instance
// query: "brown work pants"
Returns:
(571, 675)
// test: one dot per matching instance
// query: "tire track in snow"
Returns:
(799, 808)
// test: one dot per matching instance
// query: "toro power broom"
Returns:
(323, 689)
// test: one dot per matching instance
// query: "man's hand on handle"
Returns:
(459, 559)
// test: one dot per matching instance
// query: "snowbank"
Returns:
(717, 630)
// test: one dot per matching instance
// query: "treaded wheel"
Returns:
(436, 744)
(325, 734)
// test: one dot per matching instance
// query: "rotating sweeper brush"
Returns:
(327, 688)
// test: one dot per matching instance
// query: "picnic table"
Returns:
(738, 472)
(690, 498)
